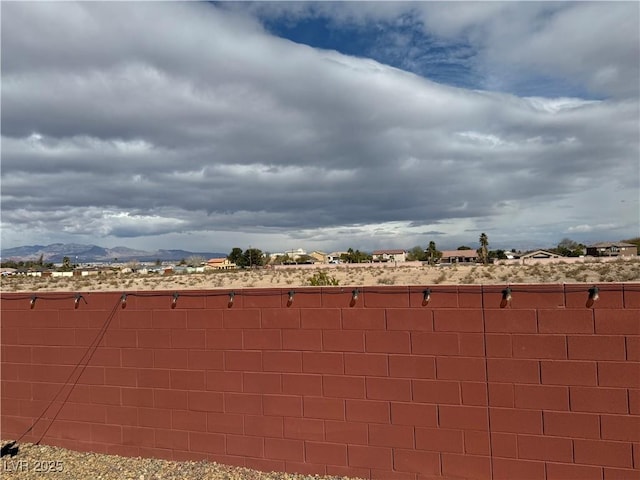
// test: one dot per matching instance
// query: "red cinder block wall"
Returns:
(380, 387)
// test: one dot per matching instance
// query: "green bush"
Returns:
(321, 279)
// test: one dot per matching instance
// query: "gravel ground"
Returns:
(42, 461)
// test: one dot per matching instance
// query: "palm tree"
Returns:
(484, 248)
(432, 252)
(66, 264)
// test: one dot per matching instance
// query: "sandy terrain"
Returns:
(345, 275)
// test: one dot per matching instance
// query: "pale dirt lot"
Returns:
(345, 275)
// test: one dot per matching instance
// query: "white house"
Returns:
(220, 264)
(389, 255)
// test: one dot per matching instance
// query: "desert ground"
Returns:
(344, 275)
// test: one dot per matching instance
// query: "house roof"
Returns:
(611, 244)
(540, 254)
(389, 252)
(459, 253)
(217, 260)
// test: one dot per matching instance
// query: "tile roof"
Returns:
(459, 253)
(611, 244)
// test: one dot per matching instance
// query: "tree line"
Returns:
(39, 264)
(254, 257)
(431, 254)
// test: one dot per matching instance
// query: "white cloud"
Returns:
(590, 43)
(585, 228)
(119, 122)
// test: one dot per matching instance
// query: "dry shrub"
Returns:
(441, 278)
(321, 279)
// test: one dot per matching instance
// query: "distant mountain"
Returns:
(94, 253)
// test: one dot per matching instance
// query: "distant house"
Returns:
(220, 264)
(198, 269)
(53, 274)
(334, 257)
(612, 249)
(319, 257)
(540, 254)
(389, 255)
(296, 254)
(90, 271)
(459, 256)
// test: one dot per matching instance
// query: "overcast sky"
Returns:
(319, 125)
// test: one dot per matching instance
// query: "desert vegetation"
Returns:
(360, 275)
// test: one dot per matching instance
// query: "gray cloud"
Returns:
(179, 120)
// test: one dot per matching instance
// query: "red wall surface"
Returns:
(384, 387)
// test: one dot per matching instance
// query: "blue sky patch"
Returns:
(404, 44)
